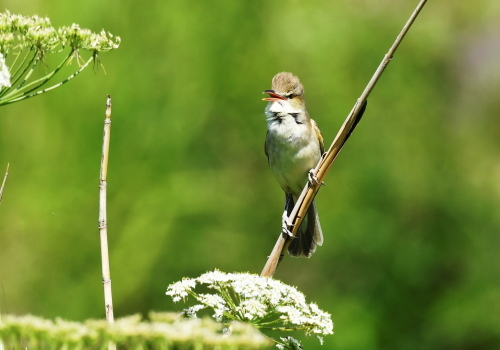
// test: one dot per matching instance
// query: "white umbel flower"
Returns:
(261, 301)
(4, 73)
(180, 289)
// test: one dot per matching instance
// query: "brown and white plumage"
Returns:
(294, 146)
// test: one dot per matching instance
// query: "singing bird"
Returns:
(294, 146)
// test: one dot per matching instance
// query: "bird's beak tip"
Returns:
(273, 96)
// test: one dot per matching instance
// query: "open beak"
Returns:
(273, 96)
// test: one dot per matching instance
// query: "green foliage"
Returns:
(164, 331)
(409, 210)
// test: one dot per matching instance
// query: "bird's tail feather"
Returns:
(309, 234)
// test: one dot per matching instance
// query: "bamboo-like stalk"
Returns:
(103, 221)
(310, 190)
(3, 182)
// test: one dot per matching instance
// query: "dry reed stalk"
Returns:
(310, 190)
(103, 221)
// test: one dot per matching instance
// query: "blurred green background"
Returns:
(410, 210)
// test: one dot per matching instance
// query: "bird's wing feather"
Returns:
(320, 137)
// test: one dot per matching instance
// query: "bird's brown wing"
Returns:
(320, 137)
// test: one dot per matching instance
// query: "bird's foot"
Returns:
(313, 179)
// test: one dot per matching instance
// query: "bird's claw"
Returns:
(313, 179)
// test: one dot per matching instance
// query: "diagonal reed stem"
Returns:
(310, 190)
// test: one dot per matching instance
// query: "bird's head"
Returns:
(287, 91)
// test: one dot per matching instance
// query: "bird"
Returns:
(294, 145)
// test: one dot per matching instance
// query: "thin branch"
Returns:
(3, 182)
(310, 190)
(103, 221)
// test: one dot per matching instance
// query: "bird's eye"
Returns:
(291, 96)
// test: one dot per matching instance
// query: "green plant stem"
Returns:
(26, 89)
(227, 297)
(262, 324)
(22, 97)
(19, 73)
(16, 75)
(30, 57)
(30, 68)
(45, 79)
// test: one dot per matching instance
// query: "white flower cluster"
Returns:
(26, 41)
(4, 73)
(264, 302)
(18, 32)
(163, 331)
(79, 38)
